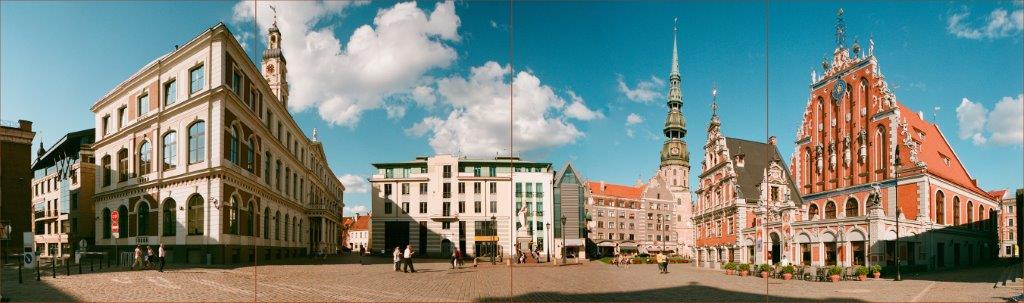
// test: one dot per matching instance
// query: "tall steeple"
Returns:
(674, 150)
(274, 65)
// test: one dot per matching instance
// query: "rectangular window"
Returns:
(447, 171)
(122, 117)
(423, 188)
(446, 190)
(170, 92)
(387, 207)
(477, 207)
(387, 190)
(405, 207)
(494, 187)
(476, 187)
(74, 201)
(143, 105)
(446, 225)
(122, 164)
(446, 209)
(196, 76)
(405, 188)
(494, 206)
(540, 191)
(236, 81)
(423, 207)
(197, 142)
(462, 187)
(462, 207)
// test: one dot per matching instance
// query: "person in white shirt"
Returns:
(407, 258)
(397, 258)
(163, 257)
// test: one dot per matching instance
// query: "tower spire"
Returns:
(840, 29)
(674, 150)
(675, 49)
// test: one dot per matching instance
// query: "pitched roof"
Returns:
(362, 223)
(998, 194)
(756, 156)
(616, 190)
(933, 151)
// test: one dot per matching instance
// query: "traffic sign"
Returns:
(115, 229)
(30, 259)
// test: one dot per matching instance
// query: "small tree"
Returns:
(789, 269)
(744, 267)
(729, 266)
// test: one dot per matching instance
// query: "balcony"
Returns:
(444, 217)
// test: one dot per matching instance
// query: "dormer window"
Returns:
(739, 160)
(945, 159)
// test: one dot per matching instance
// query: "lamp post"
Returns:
(548, 226)
(494, 229)
(896, 187)
(563, 238)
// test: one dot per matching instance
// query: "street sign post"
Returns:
(115, 229)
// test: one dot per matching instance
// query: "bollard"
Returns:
(37, 269)
(67, 266)
(19, 272)
(79, 266)
(53, 267)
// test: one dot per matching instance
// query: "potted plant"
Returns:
(744, 269)
(876, 270)
(834, 273)
(788, 271)
(765, 269)
(862, 273)
(729, 267)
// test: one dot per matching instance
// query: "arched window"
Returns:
(107, 171)
(956, 210)
(249, 228)
(266, 223)
(295, 230)
(266, 168)
(298, 232)
(233, 145)
(145, 158)
(970, 212)
(196, 142)
(106, 223)
(122, 221)
(880, 151)
(250, 155)
(122, 164)
(277, 175)
(812, 212)
(143, 222)
(233, 215)
(830, 210)
(277, 225)
(170, 218)
(808, 167)
(940, 208)
(195, 215)
(852, 209)
(170, 150)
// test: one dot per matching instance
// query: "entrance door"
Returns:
(396, 234)
(485, 250)
(446, 248)
(462, 236)
(423, 238)
(940, 255)
(956, 255)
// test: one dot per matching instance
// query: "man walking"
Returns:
(163, 257)
(397, 258)
(362, 251)
(407, 258)
(138, 257)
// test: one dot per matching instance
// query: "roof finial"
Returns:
(675, 51)
(274, 9)
(840, 29)
(714, 101)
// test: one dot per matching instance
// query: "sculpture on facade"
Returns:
(522, 220)
(818, 150)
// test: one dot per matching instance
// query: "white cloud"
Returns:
(388, 58)
(999, 24)
(1004, 124)
(424, 96)
(494, 24)
(478, 124)
(356, 209)
(578, 109)
(630, 133)
(355, 183)
(644, 91)
(633, 118)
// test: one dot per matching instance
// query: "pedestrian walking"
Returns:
(456, 255)
(138, 257)
(162, 253)
(150, 257)
(407, 258)
(397, 258)
(362, 251)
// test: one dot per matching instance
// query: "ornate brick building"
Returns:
(865, 163)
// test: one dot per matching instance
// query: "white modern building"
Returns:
(484, 207)
(197, 150)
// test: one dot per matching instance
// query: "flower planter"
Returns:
(787, 276)
(834, 278)
(728, 272)
(744, 273)
(862, 277)
(877, 274)
(764, 274)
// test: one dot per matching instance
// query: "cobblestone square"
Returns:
(344, 279)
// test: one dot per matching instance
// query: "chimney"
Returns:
(25, 125)
(772, 140)
(974, 182)
(602, 186)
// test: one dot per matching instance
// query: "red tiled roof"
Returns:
(362, 223)
(616, 190)
(932, 150)
(998, 194)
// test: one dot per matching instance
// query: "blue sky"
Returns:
(441, 72)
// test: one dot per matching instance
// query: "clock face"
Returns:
(674, 151)
(838, 91)
(270, 68)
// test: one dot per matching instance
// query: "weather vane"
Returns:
(840, 29)
(714, 100)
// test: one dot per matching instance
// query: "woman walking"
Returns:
(396, 257)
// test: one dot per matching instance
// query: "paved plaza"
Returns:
(344, 279)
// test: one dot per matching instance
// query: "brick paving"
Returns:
(343, 279)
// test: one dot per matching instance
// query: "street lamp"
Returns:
(896, 188)
(563, 238)
(548, 226)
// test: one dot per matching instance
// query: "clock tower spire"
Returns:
(274, 65)
(675, 158)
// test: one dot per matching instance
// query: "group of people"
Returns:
(403, 259)
(662, 260)
(623, 260)
(149, 259)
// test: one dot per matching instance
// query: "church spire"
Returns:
(675, 49)
(674, 150)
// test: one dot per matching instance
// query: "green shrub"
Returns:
(729, 265)
(744, 267)
(789, 269)
(835, 271)
(862, 271)
(764, 268)
(876, 268)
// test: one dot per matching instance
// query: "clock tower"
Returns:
(675, 158)
(274, 65)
